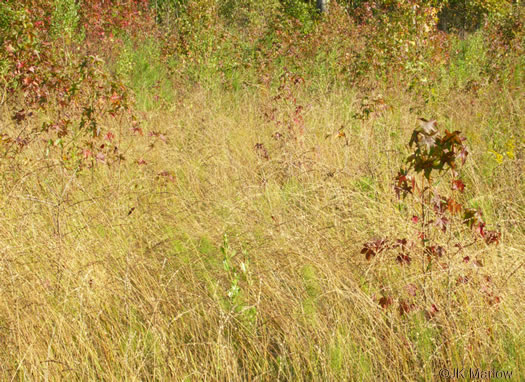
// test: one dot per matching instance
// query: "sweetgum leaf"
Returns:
(428, 127)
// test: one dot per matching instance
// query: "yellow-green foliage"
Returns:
(65, 18)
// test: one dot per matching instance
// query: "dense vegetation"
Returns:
(246, 189)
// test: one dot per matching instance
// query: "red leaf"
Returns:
(457, 184)
(463, 154)
(19, 116)
(374, 247)
(261, 150)
(431, 312)
(492, 237)
(403, 259)
(385, 302)
(481, 229)
(115, 98)
(405, 307)
(453, 207)
(415, 219)
(401, 243)
(462, 280)
(437, 251)
(466, 259)
(137, 130)
(495, 300)
(110, 136)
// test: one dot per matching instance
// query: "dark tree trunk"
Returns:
(322, 5)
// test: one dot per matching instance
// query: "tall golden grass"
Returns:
(198, 258)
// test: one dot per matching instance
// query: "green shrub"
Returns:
(468, 60)
(468, 15)
(304, 12)
(65, 18)
(143, 70)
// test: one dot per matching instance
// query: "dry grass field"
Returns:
(227, 245)
(211, 260)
